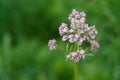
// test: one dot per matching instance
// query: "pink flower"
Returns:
(73, 56)
(73, 37)
(78, 33)
(75, 14)
(82, 20)
(72, 26)
(76, 56)
(92, 32)
(80, 41)
(82, 54)
(82, 14)
(64, 38)
(86, 28)
(94, 45)
(63, 29)
(71, 30)
(52, 44)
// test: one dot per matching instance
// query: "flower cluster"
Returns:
(52, 44)
(76, 56)
(78, 33)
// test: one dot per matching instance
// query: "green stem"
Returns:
(76, 70)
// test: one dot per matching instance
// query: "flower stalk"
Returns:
(76, 71)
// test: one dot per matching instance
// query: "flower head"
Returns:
(79, 34)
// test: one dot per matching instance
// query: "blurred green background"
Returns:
(27, 25)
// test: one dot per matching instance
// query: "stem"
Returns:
(76, 70)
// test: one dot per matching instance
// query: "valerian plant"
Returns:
(80, 38)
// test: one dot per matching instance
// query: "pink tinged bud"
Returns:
(73, 56)
(74, 15)
(94, 45)
(93, 29)
(82, 20)
(93, 32)
(71, 30)
(71, 38)
(65, 30)
(73, 21)
(76, 37)
(76, 56)
(82, 14)
(74, 12)
(82, 51)
(80, 41)
(72, 25)
(77, 16)
(86, 28)
(64, 38)
(92, 35)
(80, 31)
(70, 17)
(52, 44)
(82, 54)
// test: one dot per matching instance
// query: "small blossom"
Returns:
(72, 25)
(82, 14)
(80, 41)
(86, 28)
(82, 54)
(75, 14)
(93, 32)
(63, 29)
(52, 44)
(94, 45)
(73, 56)
(80, 31)
(64, 38)
(76, 56)
(82, 20)
(71, 38)
(76, 37)
(71, 30)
